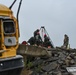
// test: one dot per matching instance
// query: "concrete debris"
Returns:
(55, 63)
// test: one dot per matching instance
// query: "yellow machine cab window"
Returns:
(8, 26)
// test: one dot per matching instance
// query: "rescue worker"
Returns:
(24, 42)
(47, 42)
(66, 41)
(31, 41)
(38, 40)
(35, 32)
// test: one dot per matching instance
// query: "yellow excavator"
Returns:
(10, 62)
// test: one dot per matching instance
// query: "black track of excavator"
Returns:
(11, 66)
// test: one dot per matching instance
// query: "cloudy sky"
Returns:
(58, 17)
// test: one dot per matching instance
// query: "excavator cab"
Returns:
(8, 37)
(10, 62)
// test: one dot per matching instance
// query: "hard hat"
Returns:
(44, 35)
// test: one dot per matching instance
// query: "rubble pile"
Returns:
(48, 61)
(58, 62)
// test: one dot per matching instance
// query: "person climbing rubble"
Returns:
(66, 41)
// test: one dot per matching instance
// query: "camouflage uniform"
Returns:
(66, 41)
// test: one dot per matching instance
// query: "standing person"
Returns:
(66, 41)
(37, 37)
(35, 32)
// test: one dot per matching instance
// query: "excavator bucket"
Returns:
(11, 66)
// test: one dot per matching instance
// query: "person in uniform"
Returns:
(66, 41)
(38, 39)
(47, 42)
(31, 41)
(35, 32)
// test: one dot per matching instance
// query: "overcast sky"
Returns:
(58, 17)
